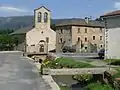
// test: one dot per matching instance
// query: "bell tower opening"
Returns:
(45, 17)
(39, 17)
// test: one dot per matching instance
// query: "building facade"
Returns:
(41, 38)
(81, 34)
(37, 38)
(112, 37)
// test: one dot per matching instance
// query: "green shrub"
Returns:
(117, 75)
(83, 77)
(64, 88)
(113, 61)
(99, 86)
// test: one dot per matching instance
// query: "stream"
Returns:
(67, 80)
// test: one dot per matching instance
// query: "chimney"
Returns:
(87, 20)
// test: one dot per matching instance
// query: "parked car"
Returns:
(101, 53)
(68, 49)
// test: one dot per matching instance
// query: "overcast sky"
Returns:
(59, 8)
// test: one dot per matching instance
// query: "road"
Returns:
(19, 73)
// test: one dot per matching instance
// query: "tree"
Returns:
(7, 42)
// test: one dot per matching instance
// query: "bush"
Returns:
(99, 86)
(113, 61)
(83, 78)
(64, 88)
(117, 75)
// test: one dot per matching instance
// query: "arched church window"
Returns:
(45, 17)
(39, 17)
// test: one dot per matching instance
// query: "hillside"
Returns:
(15, 22)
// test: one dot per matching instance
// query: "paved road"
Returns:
(18, 73)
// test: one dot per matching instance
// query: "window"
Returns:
(45, 17)
(100, 37)
(78, 38)
(85, 48)
(33, 45)
(70, 31)
(85, 39)
(61, 40)
(85, 30)
(39, 17)
(100, 29)
(95, 45)
(93, 37)
(101, 46)
(42, 32)
(47, 39)
(78, 30)
(61, 30)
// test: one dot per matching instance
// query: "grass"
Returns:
(111, 60)
(117, 75)
(67, 63)
(99, 86)
(64, 88)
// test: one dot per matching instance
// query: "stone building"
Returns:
(37, 38)
(83, 35)
(112, 34)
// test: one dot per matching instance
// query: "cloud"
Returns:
(12, 9)
(117, 5)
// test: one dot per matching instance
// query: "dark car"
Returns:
(101, 53)
(68, 49)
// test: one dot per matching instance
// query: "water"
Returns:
(67, 80)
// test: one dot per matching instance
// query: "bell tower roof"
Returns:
(43, 7)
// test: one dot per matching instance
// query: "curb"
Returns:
(47, 78)
(51, 82)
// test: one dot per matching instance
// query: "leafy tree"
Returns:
(7, 42)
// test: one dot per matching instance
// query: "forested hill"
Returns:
(15, 22)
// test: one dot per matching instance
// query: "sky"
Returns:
(59, 8)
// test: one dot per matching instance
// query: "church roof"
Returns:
(23, 30)
(43, 7)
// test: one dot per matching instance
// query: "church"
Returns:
(39, 38)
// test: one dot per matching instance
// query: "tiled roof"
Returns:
(82, 22)
(111, 13)
(23, 30)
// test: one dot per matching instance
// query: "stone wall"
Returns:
(74, 71)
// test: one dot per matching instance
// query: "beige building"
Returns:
(40, 38)
(83, 35)
(112, 34)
